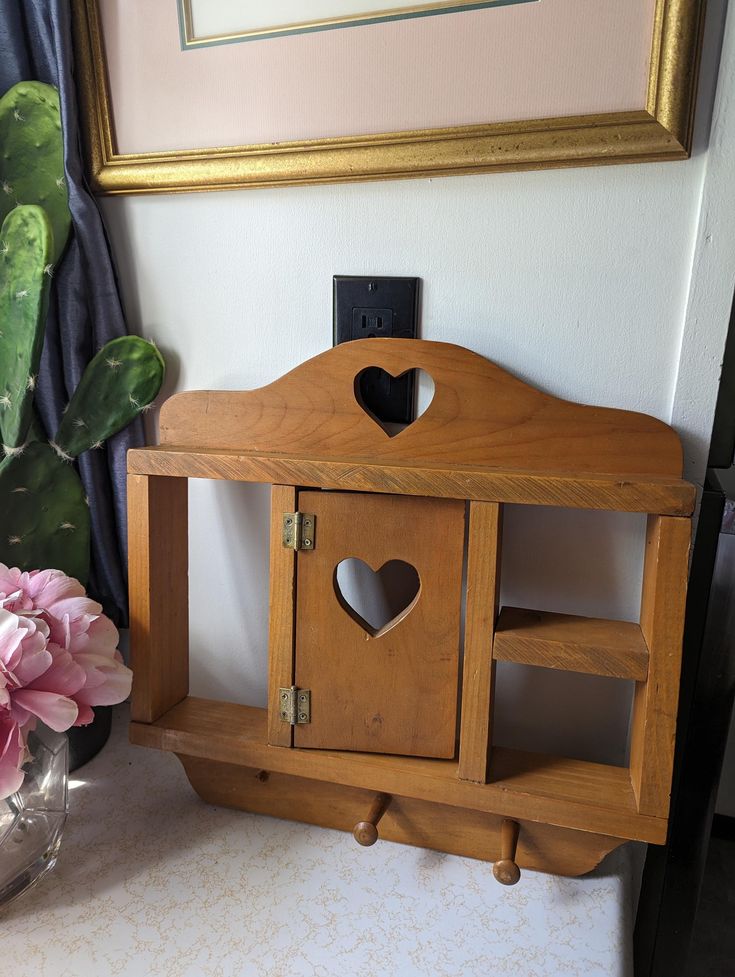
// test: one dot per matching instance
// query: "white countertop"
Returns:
(152, 882)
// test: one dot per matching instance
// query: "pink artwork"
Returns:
(526, 61)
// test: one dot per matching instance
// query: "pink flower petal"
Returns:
(63, 675)
(12, 750)
(48, 587)
(86, 715)
(103, 634)
(34, 662)
(11, 778)
(11, 635)
(57, 711)
(10, 580)
(108, 681)
(75, 607)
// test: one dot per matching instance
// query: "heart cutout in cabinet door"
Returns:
(376, 600)
(383, 396)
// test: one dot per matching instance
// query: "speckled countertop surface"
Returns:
(151, 882)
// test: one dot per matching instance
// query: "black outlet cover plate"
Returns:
(365, 307)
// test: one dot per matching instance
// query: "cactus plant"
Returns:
(26, 242)
(32, 156)
(45, 513)
(122, 378)
(45, 518)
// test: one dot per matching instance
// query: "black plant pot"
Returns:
(86, 741)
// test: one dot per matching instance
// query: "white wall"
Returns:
(576, 280)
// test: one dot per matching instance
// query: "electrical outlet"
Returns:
(366, 307)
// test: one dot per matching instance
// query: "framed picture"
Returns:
(206, 94)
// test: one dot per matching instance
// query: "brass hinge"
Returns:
(299, 530)
(295, 705)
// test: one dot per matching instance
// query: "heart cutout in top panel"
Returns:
(388, 399)
(377, 601)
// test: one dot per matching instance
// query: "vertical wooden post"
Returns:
(284, 498)
(483, 583)
(653, 724)
(158, 548)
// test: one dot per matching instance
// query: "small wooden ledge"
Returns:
(615, 649)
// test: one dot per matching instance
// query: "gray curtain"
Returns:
(85, 310)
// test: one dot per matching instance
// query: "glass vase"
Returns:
(32, 820)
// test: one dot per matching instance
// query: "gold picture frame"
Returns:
(661, 131)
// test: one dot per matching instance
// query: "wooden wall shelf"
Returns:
(485, 440)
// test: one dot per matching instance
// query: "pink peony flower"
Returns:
(58, 659)
(36, 676)
(77, 626)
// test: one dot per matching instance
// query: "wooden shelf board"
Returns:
(615, 649)
(652, 494)
(534, 787)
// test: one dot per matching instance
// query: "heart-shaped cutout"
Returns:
(377, 601)
(388, 399)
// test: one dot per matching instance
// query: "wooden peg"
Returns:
(366, 832)
(506, 870)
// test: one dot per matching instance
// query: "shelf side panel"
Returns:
(653, 725)
(282, 595)
(158, 569)
(483, 579)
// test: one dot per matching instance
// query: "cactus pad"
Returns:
(45, 519)
(121, 380)
(25, 250)
(32, 156)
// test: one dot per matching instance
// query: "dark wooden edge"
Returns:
(673, 874)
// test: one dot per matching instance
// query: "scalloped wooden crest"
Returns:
(480, 416)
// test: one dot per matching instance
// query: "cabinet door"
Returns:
(382, 679)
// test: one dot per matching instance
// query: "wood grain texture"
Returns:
(525, 786)
(478, 671)
(158, 562)
(653, 725)
(281, 610)
(474, 834)
(616, 649)
(480, 415)
(394, 692)
(668, 496)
